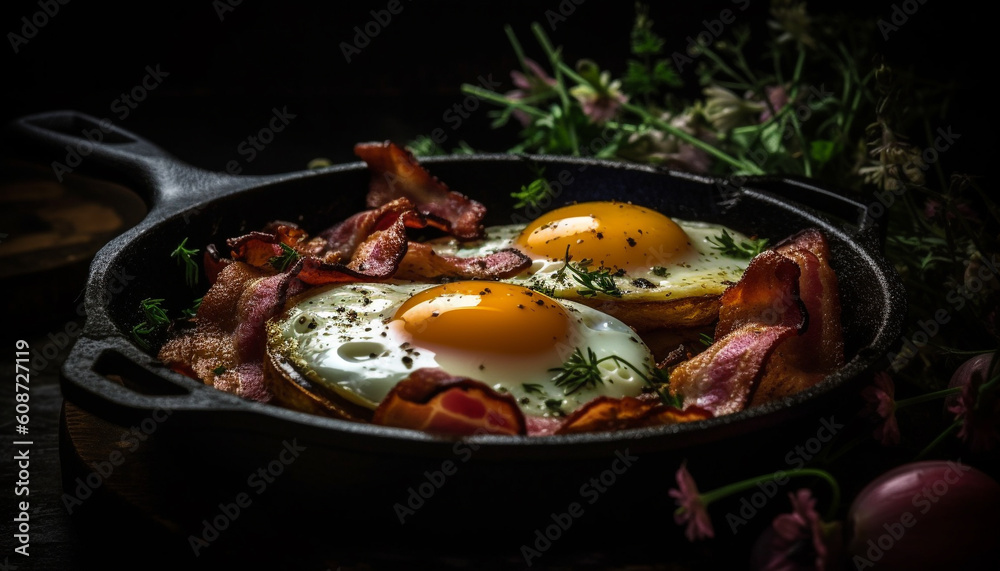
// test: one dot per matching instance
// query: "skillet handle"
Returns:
(117, 381)
(76, 142)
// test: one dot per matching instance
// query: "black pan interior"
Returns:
(319, 200)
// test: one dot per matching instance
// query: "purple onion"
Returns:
(925, 515)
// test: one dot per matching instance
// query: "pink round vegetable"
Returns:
(925, 515)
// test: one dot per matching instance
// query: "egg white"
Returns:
(702, 271)
(343, 336)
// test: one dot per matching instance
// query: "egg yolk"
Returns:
(613, 235)
(484, 317)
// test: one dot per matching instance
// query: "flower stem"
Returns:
(939, 438)
(718, 493)
(557, 64)
(929, 396)
(499, 99)
(692, 140)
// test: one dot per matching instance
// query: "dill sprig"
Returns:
(287, 258)
(154, 318)
(184, 257)
(745, 249)
(533, 194)
(533, 388)
(581, 371)
(193, 310)
(595, 281)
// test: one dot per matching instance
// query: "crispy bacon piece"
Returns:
(387, 222)
(214, 263)
(226, 348)
(436, 402)
(756, 314)
(802, 361)
(606, 413)
(422, 263)
(395, 173)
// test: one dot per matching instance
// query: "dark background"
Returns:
(226, 76)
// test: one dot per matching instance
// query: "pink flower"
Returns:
(535, 83)
(798, 541)
(880, 397)
(777, 96)
(691, 510)
(979, 411)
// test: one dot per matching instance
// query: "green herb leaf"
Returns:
(533, 388)
(193, 310)
(219, 370)
(184, 257)
(706, 339)
(287, 258)
(581, 371)
(155, 317)
(532, 194)
(745, 249)
(595, 282)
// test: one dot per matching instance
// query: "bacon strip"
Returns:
(606, 413)
(422, 263)
(395, 173)
(434, 401)
(226, 348)
(802, 361)
(756, 314)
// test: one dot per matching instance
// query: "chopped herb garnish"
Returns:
(533, 388)
(554, 405)
(595, 281)
(660, 271)
(287, 258)
(533, 194)
(193, 310)
(745, 249)
(219, 370)
(155, 317)
(706, 339)
(580, 372)
(184, 256)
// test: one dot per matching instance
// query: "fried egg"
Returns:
(649, 256)
(360, 340)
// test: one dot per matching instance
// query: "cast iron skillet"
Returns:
(223, 434)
